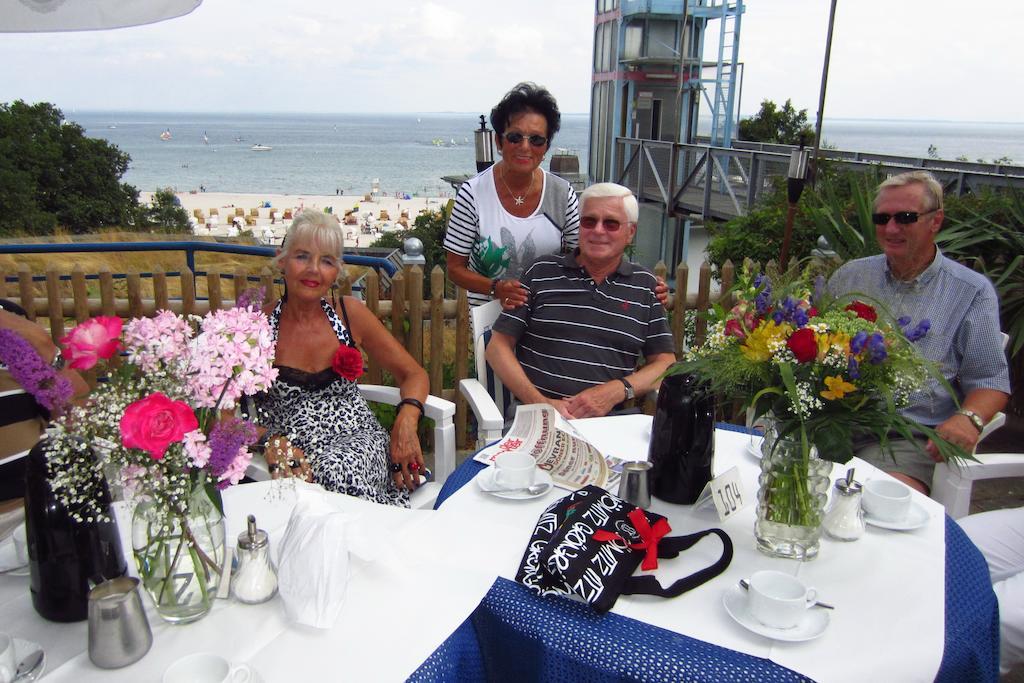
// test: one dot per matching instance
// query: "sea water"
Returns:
(312, 153)
(409, 153)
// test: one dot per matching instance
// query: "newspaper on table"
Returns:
(573, 462)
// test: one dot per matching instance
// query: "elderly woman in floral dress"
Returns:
(318, 425)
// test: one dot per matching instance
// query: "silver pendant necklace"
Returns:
(518, 199)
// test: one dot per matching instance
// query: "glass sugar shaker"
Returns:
(844, 519)
(255, 579)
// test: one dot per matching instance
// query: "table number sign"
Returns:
(726, 492)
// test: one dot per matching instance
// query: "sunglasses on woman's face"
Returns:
(901, 217)
(535, 140)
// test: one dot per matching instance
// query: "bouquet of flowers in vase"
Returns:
(826, 370)
(162, 423)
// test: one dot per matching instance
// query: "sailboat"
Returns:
(261, 148)
(206, 140)
(166, 135)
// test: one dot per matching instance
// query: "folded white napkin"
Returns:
(313, 565)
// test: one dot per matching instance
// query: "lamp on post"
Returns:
(483, 137)
(795, 179)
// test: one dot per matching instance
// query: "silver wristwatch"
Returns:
(629, 388)
(975, 419)
(58, 362)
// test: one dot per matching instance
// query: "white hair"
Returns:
(322, 229)
(601, 190)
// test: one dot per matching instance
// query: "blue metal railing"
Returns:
(189, 247)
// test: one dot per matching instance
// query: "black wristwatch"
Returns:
(629, 388)
(494, 285)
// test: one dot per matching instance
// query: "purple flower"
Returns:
(778, 316)
(764, 296)
(253, 297)
(800, 317)
(919, 331)
(858, 341)
(853, 368)
(50, 389)
(903, 321)
(227, 439)
(876, 349)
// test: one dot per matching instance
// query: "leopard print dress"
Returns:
(325, 415)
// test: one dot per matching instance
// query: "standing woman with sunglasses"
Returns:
(511, 213)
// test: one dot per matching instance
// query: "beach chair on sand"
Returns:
(255, 213)
(239, 211)
(215, 211)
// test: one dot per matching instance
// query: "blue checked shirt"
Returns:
(964, 338)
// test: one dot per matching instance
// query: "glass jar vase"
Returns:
(180, 555)
(791, 499)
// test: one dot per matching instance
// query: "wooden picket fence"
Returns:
(65, 299)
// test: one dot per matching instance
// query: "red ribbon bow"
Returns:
(649, 537)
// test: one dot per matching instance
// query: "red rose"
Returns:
(348, 362)
(863, 311)
(803, 345)
(155, 422)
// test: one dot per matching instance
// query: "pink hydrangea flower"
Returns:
(160, 340)
(92, 340)
(196, 448)
(232, 356)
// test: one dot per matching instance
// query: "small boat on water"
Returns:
(206, 140)
(261, 148)
(166, 135)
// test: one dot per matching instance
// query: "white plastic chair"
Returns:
(952, 483)
(486, 395)
(441, 411)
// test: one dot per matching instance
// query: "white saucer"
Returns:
(813, 625)
(9, 560)
(485, 482)
(754, 450)
(916, 518)
(23, 648)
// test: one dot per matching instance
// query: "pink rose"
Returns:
(96, 338)
(155, 422)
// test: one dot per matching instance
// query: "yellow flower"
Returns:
(837, 388)
(756, 346)
(827, 341)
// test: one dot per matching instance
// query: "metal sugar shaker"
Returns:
(844, 519)
(255, 578)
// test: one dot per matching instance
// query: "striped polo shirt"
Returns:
(574, 333)
(964, 337)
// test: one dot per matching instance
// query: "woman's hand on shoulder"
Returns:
(285, 460)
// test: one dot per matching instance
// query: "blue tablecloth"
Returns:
(515, 635)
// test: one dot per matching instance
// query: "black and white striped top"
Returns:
(574, 334)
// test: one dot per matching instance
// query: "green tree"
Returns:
(52, 174)
(165, 212)
(429, 227)
(783, 126)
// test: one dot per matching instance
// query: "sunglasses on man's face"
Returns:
(901, 217)
(535, 140)
(590, 223)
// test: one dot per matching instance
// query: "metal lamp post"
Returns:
(483, 137)
(796, 177)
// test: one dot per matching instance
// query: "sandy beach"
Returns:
(367, 220)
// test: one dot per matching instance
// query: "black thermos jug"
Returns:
(682, 439)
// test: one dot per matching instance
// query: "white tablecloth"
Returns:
(888, 587)
(398, 608)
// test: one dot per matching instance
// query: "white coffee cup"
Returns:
(779, 600)
(8, 661)
(514, 470)
(20, 545)
(886, 500)
(206, 668)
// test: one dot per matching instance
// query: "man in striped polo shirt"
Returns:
(589, 317)
(913, 280)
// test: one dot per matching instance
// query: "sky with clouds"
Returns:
(918, 59)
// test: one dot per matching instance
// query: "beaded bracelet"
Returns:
(410, 402)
